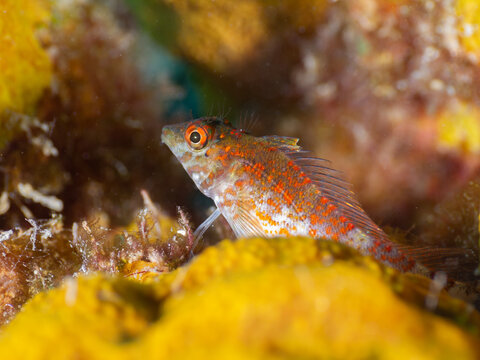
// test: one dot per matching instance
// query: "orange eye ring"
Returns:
(196, 137)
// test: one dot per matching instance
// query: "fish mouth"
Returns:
(167, 133)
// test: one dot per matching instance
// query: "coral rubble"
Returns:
(44, 255)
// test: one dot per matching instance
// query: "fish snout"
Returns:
(167, 134)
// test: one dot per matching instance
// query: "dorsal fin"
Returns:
(283, 142)
(331, 184)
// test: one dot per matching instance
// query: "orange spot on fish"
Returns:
(278, 188)
(314, 219)
(287, 198)
(223, 159)
(230, 191)
(331, 207)
(260, 166)
(239, 183)
(228, 203)
(306, 181)
(410, 265)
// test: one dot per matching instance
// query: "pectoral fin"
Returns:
(245, 223)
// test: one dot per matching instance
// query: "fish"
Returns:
(269, 186)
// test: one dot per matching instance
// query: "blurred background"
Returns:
(388, 90)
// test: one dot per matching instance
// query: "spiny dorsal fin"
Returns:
(283, 142)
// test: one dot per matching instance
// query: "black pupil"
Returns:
(195, 137)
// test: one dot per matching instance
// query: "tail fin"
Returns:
(459, 264)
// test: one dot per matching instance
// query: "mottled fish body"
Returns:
(269, 186)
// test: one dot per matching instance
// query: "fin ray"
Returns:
(458, 263)
(198, 233)
(283, 142)
(331, 184)
(245, 224)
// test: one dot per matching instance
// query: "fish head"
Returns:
(199, 145)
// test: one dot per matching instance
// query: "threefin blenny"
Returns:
(269, 186)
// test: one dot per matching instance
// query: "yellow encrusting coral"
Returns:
(85, 318)
(301, 312)
(468, 18)
(222, 35)
(217, 40)
(255, 298)
(25, 68)
(459, 128)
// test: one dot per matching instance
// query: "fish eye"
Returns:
(196, 137)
